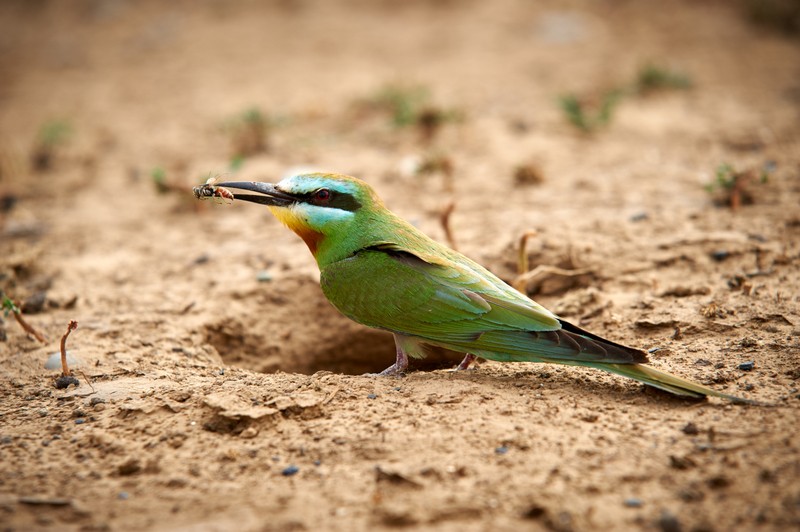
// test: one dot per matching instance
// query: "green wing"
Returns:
(458, 305)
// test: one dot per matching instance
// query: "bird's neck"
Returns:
(370, 230)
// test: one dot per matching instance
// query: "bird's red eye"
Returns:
(323, 195)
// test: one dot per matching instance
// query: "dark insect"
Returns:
(208, 190)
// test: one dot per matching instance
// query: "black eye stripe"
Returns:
(336, 200)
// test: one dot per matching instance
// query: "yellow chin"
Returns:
(288, 218)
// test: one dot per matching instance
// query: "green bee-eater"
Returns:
(379, 270)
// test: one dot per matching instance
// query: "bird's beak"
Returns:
(268, 194)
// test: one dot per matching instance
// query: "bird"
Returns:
(380, 271)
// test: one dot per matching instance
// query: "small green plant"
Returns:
(409, 106)
(248, 133)
(588, 118)
(54, 133)
(724, 178)
(403, 103)
(732, 187)
(236, 163)
(159, 177)
(9, 306)
(51, 135)
(579, 113)
(652, 78)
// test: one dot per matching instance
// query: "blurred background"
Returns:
(338, 84)
(573, 118)
(481, 120)
(645, 153)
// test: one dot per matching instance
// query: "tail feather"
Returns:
(667, 381)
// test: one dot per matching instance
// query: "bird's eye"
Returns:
(323, 195)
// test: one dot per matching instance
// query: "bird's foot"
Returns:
(391, 371)
(468, 359)
(398, 369)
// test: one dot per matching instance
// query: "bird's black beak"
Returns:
(268, 194)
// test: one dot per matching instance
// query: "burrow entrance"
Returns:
(291, 327)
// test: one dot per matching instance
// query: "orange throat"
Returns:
(311, 237)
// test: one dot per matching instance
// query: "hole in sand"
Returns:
(290, 326)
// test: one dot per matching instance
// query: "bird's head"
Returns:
(323, 209)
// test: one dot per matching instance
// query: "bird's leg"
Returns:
(468, 359)
(400, 364)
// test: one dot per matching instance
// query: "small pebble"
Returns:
(249, 432)
(633, 503)
(747, 366)
(123, 495)
(317, 462)
(34, 304)
(54, 361)
(130, 467)
(639, 217)
(201, 259)
(691, 429)
(263, 276)
(80, 421)
(96, 401)
(720, 255)
(289, 471)
(42, 412)
(64, 381)
(372, 396)
(668, 522)
(501, 450)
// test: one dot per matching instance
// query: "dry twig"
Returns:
(444, 219)
(66, 377)
(11, 306)
(525, 276)
(64, 367)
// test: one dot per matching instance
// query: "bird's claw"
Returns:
(391, 371)
(468, 359)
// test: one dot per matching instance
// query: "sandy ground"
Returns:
(220, 390)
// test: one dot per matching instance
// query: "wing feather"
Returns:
(457, 305)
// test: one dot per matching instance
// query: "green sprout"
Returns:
(54, 133)
(248, 132)
(732, 187)
(577, 113)
(236, 163)
(159, 177)
(724, 178)
(404, 103)
(9, 306)
(652, 78)
(254, 116)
